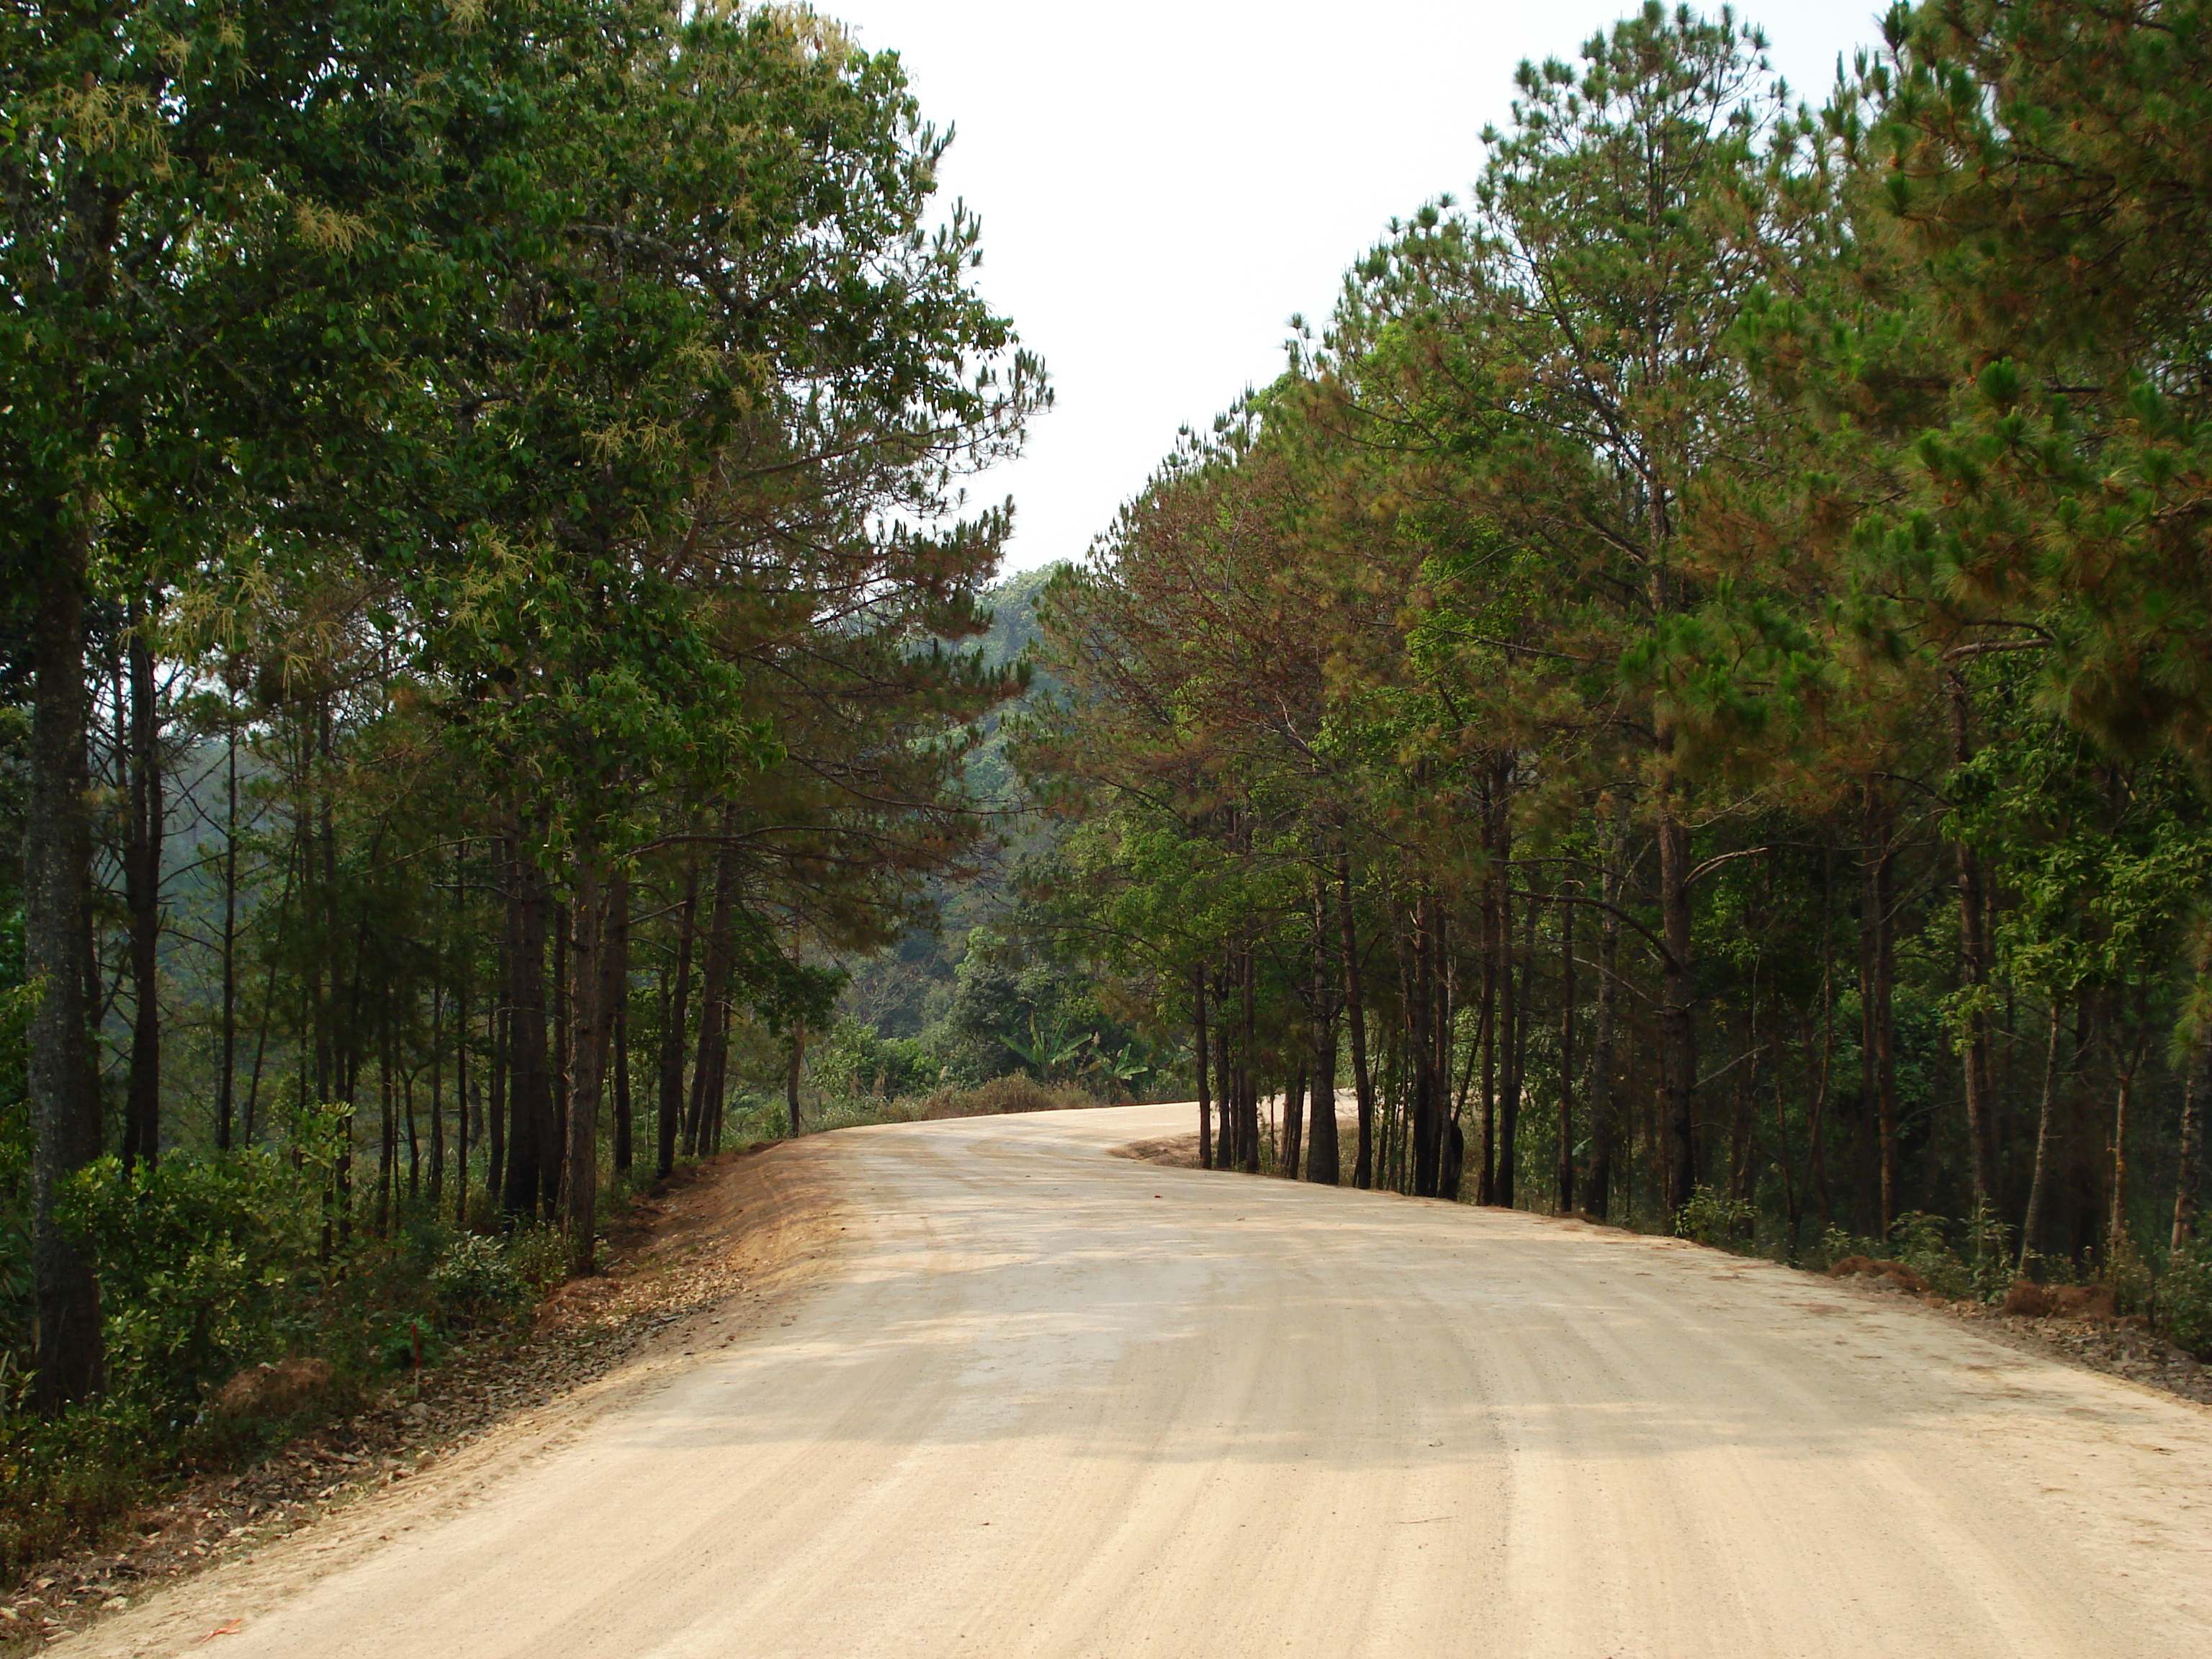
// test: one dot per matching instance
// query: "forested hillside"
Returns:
(1686, 702)
(1688, 697)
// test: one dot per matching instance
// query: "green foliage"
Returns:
(479, 1282)
(198, 1260)
(853, 1061)
(1711, 1217)
(2185, 1297)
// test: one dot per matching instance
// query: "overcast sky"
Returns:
(1162, 185)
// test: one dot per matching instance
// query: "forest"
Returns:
(1685, 703)
(1687, 698)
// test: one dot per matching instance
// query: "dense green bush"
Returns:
(477, 1282)
(1712, 1220)
(2184, 1298)
(854, 1063)
(199, 1262)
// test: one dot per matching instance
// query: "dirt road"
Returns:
(1037, 1400)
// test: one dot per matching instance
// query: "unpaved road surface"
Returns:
(1037, 1400)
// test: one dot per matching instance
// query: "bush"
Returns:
(854, 1063)
(2184, 1298)
(62, 1477)
(196, 1265)
(1920, 1243)
(538, 1253)
(1711, 1219)
(477, 1283)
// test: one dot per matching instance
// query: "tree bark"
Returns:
(142, 889)
(225, 1082)
(791, 1082)
(676, 1010)
(1248, 1123)
(714, 1001)
(1597, 1192)
(65, 1104)
(561, 1007)
(500, 1035)
(1493, 957)
(1420, 1013)
(1678, 1032)
(1566, 1166)
(2034, 1219)
(1355, 1016)
(1205, 1082)
(1877, 981)
(589, 1017)
(461, 1115)
(1224, 1078)
(614, 994)
(533, 1157)
(2119, 1241)
(1974, 970)
(437, 1094)
(1323, 1159)
(2189, 1153)
(1513, 1048)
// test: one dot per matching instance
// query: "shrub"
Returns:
(2184, 1298)
(538, 1253)
(1712, 1220)
(477, 1283)
(196, 1264)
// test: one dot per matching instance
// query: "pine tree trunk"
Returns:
(553, 1173)
(790, 1081)
(532, 1156)
(1322, 1157)
(461, 1115)
(437, 1094)
(2190, 1152)
(1974, 957)
(1492, 956)
(714, 1001)
(1877, 979)
(1355, 1017)
(1597, 1192)
(1205, 1082)
(676, 1012)
(226, 1081)
(2033, 1221)
(590, 1011)
(141, 888)
(1248, 1075)
(1566, 1165)
(500, 1035)
(1225, 1075)
(1678, 1033)
(2119, 1240)
(65, 1105)
(386, 1136)
(414, 1136)
(1816, 1155)
(1420, 1011)
(614, 1000)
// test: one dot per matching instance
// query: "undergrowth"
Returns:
(232, 1325)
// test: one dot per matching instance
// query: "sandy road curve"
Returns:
(1034, 1409)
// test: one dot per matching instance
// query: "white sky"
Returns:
(1162, 185)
